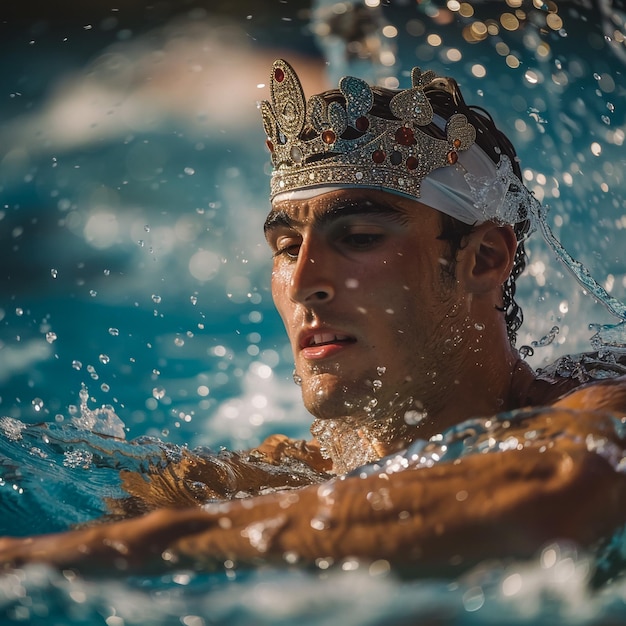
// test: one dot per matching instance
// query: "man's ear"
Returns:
(487, 260)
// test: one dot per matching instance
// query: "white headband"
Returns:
(473, 191)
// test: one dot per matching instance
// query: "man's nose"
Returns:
(312, 281)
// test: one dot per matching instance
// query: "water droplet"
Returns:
(473, 599)
(193, 300)
(77, 365)
(546, 340)
(51, 337)
(93, 293)
(104, 359)
(147, 228)
(105, 387)
(526, 351)
(19, 311)
(381, 369)
(114, 332)
(156, 299)
(190, 171)
(37, 404)
(107, 272)
(377, 384)
(413, 417)
(54, 273)
(318, 524)
(179, 341)
(297, 378)
(372, 404)
(158, 393)
(291, 557)
(141, 243)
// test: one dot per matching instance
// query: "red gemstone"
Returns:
(279, 75)
(452, 157)
(378, 156)
(362, 124)
(269, 145)
(411, 163)
(329, 137)
(405, 136)
(456, 143)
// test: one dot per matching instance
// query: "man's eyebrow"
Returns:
(278, 219)
(339, 209)
(360, 207)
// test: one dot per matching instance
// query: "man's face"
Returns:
(357, 279)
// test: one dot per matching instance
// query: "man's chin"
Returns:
(337, 402)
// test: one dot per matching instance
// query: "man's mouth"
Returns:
(324, 344)
(321, 339)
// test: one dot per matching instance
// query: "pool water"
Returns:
(135, 276)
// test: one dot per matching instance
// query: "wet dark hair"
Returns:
(446, 99)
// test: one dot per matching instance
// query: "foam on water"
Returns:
(553, 588)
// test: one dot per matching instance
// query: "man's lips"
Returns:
(320, 344)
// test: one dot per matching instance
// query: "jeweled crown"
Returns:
(390, 153)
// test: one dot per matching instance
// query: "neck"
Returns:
(475, 387)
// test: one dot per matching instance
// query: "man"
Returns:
(397, 228)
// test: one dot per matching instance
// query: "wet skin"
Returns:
(357, 282)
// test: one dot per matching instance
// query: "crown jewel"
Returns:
(352, 145)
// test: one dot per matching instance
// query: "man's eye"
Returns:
(362, 240)
(289, 250)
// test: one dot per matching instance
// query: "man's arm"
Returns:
(498, 505)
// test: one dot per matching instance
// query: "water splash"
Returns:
(547, 339)
(103, 421)
(609, 337)
(582, 275)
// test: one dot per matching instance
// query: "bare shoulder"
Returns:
(601, 395)
(584, 381)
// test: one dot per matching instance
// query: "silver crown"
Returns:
(374, 152)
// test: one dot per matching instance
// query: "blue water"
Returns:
(133, 176)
